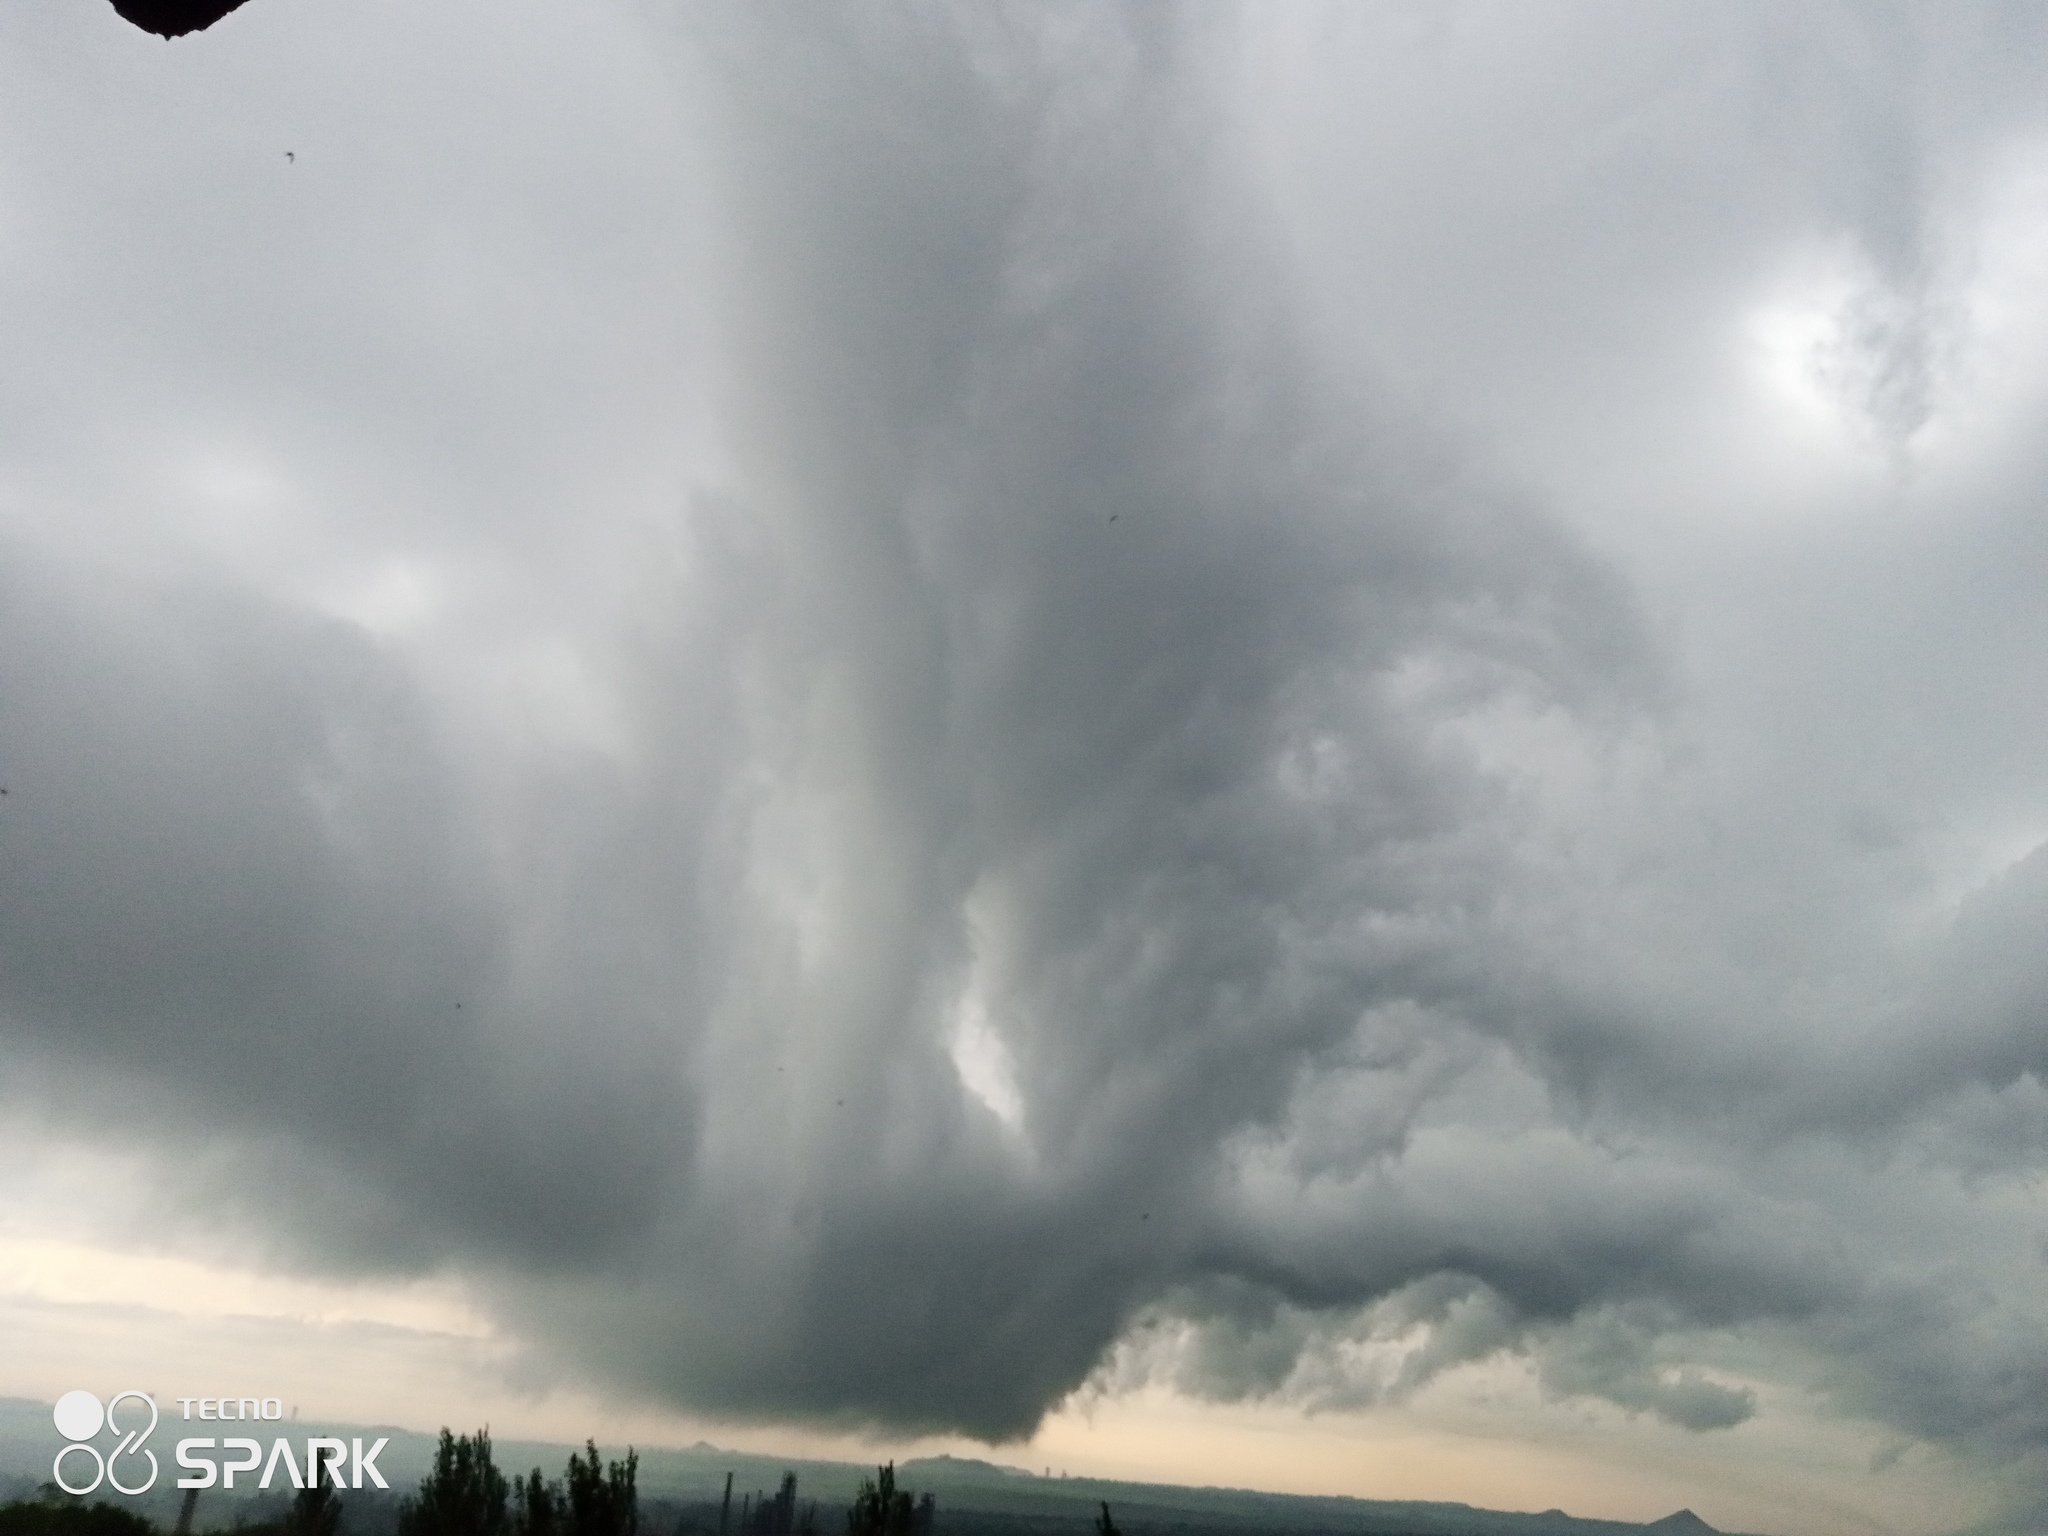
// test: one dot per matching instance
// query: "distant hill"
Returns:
(680, 1489)
(978, 1498)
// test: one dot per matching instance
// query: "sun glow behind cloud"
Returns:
(1804, 348)
(1942, 362)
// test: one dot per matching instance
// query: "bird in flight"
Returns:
(294, 159)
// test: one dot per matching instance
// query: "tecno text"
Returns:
(232, 1407)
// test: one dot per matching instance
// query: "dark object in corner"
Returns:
(174, 18)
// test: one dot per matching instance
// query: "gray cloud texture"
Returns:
(884, 708)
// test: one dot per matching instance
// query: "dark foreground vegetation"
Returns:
(56, 1513)
(314, 1511)
(465, 1494)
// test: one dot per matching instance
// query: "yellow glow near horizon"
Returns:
(423, 1354)
(75, 1273)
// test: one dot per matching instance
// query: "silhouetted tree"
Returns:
(880, 1508)
(315, 1511)
(463, 1496)
(776, 1516)
(1105, 1526)
(537, 1506)
(602, 1500)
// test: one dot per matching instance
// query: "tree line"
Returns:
(464, 1494)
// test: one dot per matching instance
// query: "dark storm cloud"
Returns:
(1071, 657)
(239, 873)
(1102, 826)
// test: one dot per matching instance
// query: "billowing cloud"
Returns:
(1238, 747)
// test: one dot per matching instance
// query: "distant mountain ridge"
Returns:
(975, 1498)
(987, 1488)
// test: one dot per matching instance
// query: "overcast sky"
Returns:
(904, 721)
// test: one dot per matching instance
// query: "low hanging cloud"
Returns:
(1101, 841)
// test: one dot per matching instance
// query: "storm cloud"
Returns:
(1061, 696)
